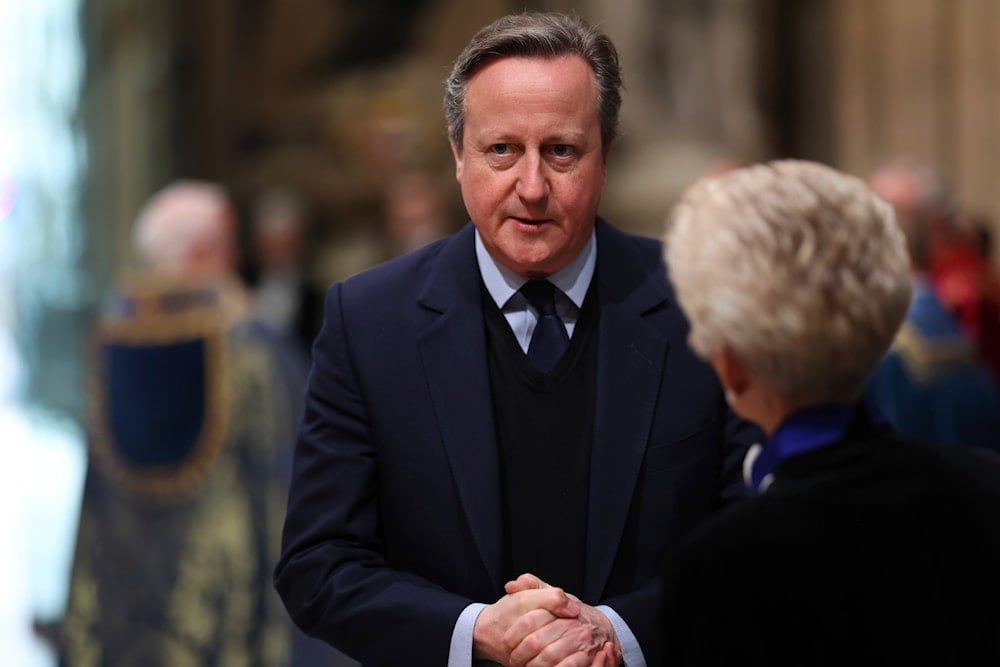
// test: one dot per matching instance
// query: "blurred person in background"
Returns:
(415, 212)
(857, 546)
(969, 285)
(283, 294)
(931, 385)
(192, 417)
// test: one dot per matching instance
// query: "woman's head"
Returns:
(794, 269)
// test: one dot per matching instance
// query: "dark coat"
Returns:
(395, 520)
(875, 550)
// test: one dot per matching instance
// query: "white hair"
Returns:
(796, 269)
(185, 223)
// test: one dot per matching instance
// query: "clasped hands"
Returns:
(537, 625)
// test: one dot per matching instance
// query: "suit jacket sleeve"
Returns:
(332, 574)
(643, 607)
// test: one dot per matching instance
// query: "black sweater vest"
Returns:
(545, 430)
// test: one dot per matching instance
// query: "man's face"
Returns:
(531, 165)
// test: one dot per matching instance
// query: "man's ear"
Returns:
(456, 152)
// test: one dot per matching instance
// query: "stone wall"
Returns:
(920, 80)
(333, 100)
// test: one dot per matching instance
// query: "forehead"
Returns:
(529, 86)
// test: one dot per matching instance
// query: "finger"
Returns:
(605, 657)
(527, 625)
(612, 656)
(583, 659)
(532, 633)
(600, 660)
(555, 600)
(524, 582)
(576, 638)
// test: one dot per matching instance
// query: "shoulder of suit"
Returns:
(645, 251)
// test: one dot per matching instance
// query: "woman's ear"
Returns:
(732, 374)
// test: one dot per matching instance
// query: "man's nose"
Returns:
(532, 182)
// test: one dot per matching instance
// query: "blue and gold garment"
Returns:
(930, 385)
(191, 425)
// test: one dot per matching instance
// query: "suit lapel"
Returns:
(631, 355)
(453, 349)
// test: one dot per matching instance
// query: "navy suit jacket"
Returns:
(394, 520)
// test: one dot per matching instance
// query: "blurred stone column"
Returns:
(692, 97)
(920, 80)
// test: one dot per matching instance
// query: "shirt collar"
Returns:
(573, 279)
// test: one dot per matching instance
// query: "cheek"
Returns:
(483, 193)
(578, 192)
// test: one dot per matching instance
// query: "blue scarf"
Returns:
(802, 431)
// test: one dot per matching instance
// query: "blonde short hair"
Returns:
(798, 270)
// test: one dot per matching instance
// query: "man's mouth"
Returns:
(529, 221)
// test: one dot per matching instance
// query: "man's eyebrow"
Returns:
(497, 136)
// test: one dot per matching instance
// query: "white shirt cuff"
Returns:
(460, 651)
(631, 653)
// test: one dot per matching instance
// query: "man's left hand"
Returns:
(538, 639)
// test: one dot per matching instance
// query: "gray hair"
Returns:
(545, 35)
(184, 221)
(796, 269)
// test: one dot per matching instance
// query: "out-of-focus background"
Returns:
(338, 104)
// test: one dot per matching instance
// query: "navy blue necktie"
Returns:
(549, 340)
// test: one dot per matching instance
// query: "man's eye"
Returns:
(562, 150)
(501, 149)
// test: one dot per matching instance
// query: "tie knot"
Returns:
(542, 295)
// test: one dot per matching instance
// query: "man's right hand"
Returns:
(496, 619)
(539, 625)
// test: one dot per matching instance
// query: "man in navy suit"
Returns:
(490, 473)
